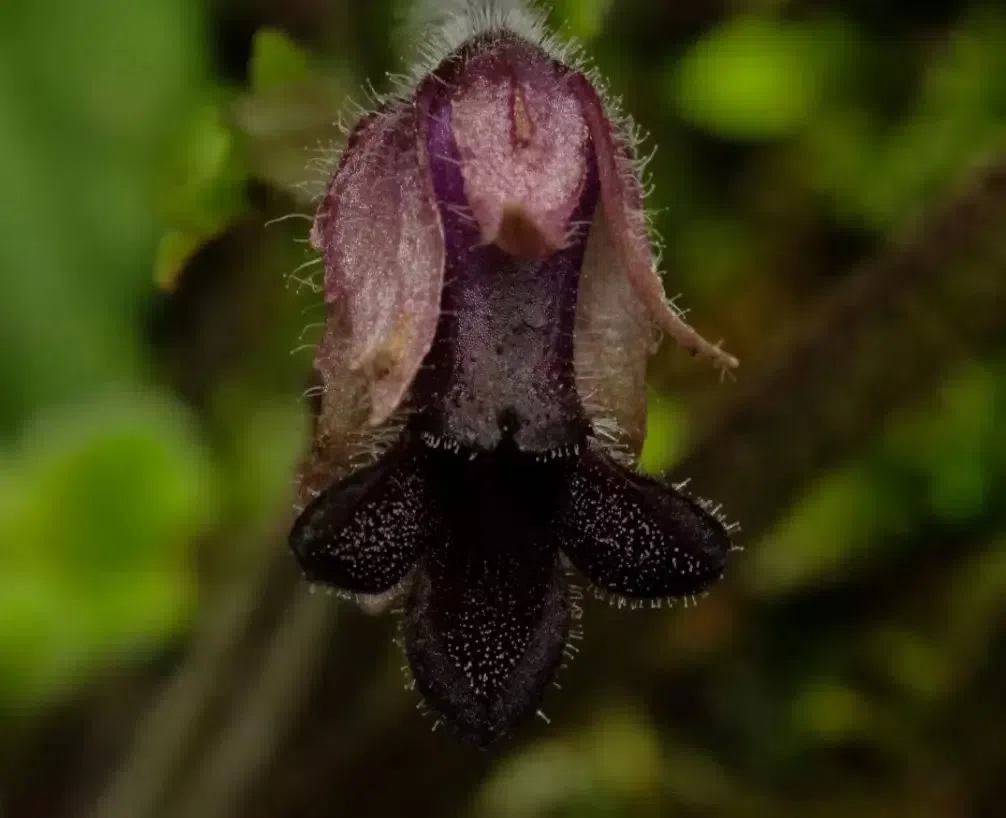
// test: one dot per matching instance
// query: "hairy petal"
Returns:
(523, 145)
(379, 231)
(636, 536)
(622, 197)
(486, 260)
(487, 618)
(366, 532)
(485, 633)
(339, 410)
(613, 339)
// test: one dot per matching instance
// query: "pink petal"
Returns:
(622, 199)
(522, 138)
(380, 234)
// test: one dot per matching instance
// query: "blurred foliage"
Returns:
(756, 78)
(154, 281)
(101, 491)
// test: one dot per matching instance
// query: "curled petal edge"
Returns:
(622, 198)
(379, 232)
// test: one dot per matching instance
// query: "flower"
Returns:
(492, 300)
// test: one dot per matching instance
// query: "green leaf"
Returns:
(204, 191)
(583, 19)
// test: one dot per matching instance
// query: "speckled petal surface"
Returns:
(487, 617)
(485, 634)
(636, 536)
(365, 533)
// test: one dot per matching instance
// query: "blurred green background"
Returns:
(830, 185)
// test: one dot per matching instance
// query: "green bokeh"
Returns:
(155, 344)
(750, 78)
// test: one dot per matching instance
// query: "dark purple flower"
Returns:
(492, 301)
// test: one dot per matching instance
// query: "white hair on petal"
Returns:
(440, 26)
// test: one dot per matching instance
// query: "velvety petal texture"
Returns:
(487, 618)
(636, 536)
(485, 632)
(522, 141)
(380, 236)
(622, 197)
(366, 532)
(502, 360)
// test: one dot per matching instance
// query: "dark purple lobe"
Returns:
(487, 618)
(366, 532)
(632, 535)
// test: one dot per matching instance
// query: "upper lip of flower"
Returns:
(524, 131)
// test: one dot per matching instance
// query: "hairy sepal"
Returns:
(379, 232)
(622, 200)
